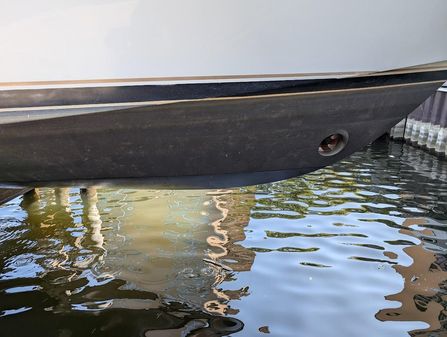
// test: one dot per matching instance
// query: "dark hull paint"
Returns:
(203, 144)
(9, 194)
(12, 99)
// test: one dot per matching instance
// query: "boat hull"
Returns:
(55, 43)
(209, 143)
(206, 93)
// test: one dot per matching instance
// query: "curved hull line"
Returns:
(17, 115)
(437, 66)
(185, 79)
(149, 103)
(25, 98)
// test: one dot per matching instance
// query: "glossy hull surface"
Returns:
(66, 43)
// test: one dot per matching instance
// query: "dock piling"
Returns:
(426, 127)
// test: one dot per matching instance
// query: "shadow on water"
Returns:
(356, 248)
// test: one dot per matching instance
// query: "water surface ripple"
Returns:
(356, 249)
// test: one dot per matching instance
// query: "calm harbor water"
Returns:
(354, 249)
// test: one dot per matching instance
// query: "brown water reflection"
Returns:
(424, 294)
(355, 249)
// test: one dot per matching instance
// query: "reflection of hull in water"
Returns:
(182, 249)
(128, 260)
(163, 250)
(211, 142)
(179, 252)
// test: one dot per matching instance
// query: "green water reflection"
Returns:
(355, 249)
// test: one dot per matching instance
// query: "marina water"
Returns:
(355, 249)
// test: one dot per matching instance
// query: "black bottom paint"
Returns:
(203, 144)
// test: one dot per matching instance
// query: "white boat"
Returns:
(207, 93)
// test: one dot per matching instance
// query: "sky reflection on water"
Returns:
(353, 249)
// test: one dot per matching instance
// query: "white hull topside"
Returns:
(53, 43)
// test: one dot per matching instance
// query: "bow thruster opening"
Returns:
(333, 144)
